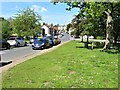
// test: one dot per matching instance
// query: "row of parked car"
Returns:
(45, 42)
(37, 43)
(12, 41)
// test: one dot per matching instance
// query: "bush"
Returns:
(98, 44)
(100, 37)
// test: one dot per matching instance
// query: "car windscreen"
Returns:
(50, 38)
(39, 39)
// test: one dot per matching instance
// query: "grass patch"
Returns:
(66, 67)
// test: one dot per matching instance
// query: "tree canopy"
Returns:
(26, 23)
(100, 17)
(5, 28)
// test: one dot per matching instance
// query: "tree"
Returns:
(94, 11)
(116, 27)
(26, 23)
(69, 26)
(5, 28)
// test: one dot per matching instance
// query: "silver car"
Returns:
(17, 41)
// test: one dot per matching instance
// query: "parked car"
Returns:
(32, 40)
(56, 41)
(40, 43)
(4, 44)
(50, 39)
(17, 41)
(62, 34)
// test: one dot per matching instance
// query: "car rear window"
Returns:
(12, 38)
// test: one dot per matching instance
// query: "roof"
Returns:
(54, 27)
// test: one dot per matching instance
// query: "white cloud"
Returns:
(37, 8)
(16, 7)
(43, 9)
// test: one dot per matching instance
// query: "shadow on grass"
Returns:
(111, 51)
(80, 47)
(114, 50)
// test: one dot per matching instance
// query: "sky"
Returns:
(50, 13)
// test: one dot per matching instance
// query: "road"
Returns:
(20, 52)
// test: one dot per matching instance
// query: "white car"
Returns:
(62, 34)
(32, 40)
(17, 41)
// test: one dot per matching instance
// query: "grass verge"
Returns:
(66, 67)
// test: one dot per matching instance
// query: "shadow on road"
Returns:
(4, 63)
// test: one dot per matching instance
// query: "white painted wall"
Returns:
(47, 30)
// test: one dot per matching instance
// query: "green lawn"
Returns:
(66, 67)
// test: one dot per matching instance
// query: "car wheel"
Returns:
(45, 47)
(33, 48)
(8, 47)
(18, 45)
(42, 48)
(49, 45)
(25, 44)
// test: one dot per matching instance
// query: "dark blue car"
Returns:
(50, 39)
(40, 43)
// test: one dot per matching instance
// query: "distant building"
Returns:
(54, 30)
(51, 30)
(45, 30)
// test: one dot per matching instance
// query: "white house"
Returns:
(45, 29)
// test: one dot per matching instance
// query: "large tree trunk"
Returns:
(109, 30)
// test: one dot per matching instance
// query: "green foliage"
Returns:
(26, 23)
(6, 29)
(69, 26)
(100, 37)
(73, 33)
(94, 13)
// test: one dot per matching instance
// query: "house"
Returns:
(50, 29)
(45, 30)
(54, 30)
